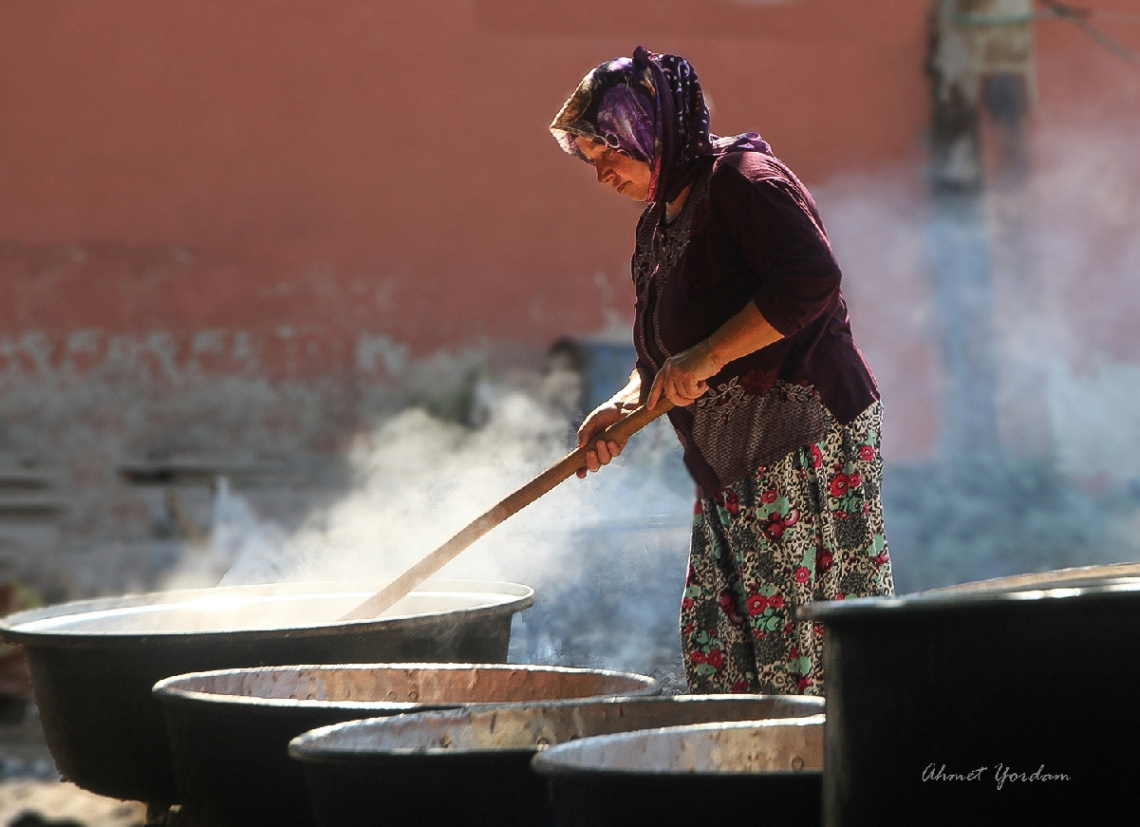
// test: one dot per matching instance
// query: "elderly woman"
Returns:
(739, 321)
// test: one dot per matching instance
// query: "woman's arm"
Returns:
(617, 408)
(682, 379)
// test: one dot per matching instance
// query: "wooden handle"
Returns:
(428, 565)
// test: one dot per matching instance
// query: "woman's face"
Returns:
(616, 169)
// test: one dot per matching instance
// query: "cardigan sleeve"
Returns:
(771, 220)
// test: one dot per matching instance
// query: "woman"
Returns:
(739, 321)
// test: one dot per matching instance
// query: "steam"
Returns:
(606, 555)
(1060, 486)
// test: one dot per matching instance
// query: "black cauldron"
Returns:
(755, 772)
(230, 729)
(93, 663)
(1005, 702)
(389, 771)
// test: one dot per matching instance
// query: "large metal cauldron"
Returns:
(230, 730)
(93, 662)
(742, 773)
(388, 771)
(1007, 702)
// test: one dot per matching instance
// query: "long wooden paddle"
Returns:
(428, 565)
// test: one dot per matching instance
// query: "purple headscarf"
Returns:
(617, 104)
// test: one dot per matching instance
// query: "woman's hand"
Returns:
(681, 379)
(604, 450)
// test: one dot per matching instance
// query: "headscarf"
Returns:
(618, 104)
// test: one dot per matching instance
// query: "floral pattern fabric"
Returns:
(806, 528)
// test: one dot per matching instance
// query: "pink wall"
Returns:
(303, 190)
(370, 168)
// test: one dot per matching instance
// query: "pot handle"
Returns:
(428, 565)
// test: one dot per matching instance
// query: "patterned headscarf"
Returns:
(617, 103)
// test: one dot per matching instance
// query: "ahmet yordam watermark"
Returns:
(998, 775)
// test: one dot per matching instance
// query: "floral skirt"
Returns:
(809, 527)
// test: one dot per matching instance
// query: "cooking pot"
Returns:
(1035, 580)
(93, 662)
(975, 705)
(230, 729)
(739, 773)
(389, 770)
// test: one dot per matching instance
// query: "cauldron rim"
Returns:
(512, 597)
(170, 689)
(320, 745)
(546, 761)
(969, 601)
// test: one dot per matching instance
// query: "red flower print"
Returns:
(817, 628)
(792, 517)
(698, 507)
(698, 657)
(740, 687)
(794, 652)
(728, 606)
(825, 560)
(802, 575)
(775, 528)
(839, 484)
(802, 684)
(776, 601)
(817, 456)
(769, 496)
(687, 603)
(732, 503)
(689, 628)
(757, 603)
(841, 514)
(854, 480)
(867, 453)
(716, 659)
(788, 628)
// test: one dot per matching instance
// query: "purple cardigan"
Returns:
(749, 231)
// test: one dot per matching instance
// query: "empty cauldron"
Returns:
(388, 771)
(93, 662)
(230, 730)
(736, 773)
(974, 705)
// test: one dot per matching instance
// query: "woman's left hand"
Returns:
(681, 379)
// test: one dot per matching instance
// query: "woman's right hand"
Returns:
(601, 452)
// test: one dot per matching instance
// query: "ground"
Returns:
(31, 793)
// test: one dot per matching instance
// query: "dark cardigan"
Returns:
(749, 231)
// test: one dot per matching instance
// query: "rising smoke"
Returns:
(606, 555)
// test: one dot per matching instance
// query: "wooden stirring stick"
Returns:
(620, 431)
